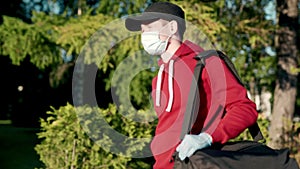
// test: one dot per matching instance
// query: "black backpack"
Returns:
(232, 155)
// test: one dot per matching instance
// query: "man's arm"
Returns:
(240, 110)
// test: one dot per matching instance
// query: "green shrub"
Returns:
(67, 143)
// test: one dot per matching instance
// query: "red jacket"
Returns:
(218, 88)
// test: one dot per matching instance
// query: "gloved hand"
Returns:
(191, 143)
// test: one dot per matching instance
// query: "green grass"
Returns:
(17, 147)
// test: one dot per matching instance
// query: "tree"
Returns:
(249, 34)
(287, 62)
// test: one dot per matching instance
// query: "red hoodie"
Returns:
(218, 88)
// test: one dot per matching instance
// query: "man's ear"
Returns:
(173, 26)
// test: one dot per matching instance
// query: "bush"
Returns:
(66, 144)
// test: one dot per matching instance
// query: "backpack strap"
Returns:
(194, 98)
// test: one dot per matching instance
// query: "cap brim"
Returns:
(133, 23)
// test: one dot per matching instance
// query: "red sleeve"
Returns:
(226, 91)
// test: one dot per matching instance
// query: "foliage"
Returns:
(121, 7)
(67, 143)
(43, 40)
(133, 78)
(246, 39)
(204, 18)
(19, 40)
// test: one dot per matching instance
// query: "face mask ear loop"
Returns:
(167, 41)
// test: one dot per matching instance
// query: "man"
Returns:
(162, 26)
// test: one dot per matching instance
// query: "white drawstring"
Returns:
(170, 84)
(158, 85)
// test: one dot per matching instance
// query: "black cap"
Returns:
(158, 10)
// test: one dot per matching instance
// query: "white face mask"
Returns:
(153, 44)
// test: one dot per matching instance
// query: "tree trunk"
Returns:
(286, 83)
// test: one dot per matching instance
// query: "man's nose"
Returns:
(144, 28)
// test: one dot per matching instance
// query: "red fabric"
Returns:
(218, 88)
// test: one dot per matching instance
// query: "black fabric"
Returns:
(238, 155)
(193, 101)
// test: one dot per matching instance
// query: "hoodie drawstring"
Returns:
(158, 85)
(170, 85)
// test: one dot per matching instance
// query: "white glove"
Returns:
(191, 143)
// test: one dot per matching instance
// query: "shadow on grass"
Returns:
(17, 147)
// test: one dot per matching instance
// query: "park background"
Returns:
(41, 40)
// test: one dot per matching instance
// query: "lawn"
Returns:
(17, 147)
